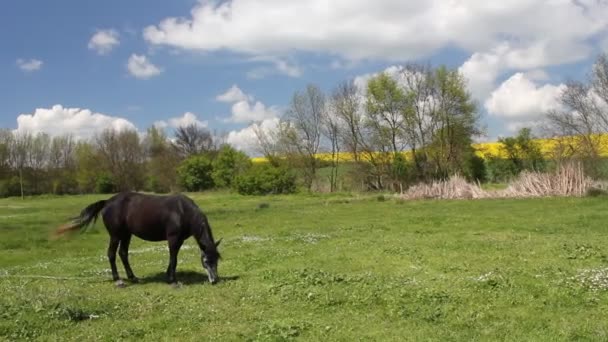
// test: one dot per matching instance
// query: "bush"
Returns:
(194, 173)
(229, 164)
(104, 185)
(155, 185)
(500, 170)
(10, 187)
(265, 179)
(596, 192)
(476, 169)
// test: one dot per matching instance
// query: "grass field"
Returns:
(319, 268)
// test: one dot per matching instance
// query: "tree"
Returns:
(122, 155)
(383, 136)
(62, 164)
(192, 140)
(228, 164)
(385, 104)
(38, 160)
(88, 168)
(20, 150)
(577, 126)
(455, 123)
(194, 173)
(301, 130)
(268, 138)
(346, 106)
(523, 151)
(6, 142)
(331, 131)
(161, 161)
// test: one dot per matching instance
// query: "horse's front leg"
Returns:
(174, 245)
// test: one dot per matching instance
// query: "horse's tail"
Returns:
(87, 216)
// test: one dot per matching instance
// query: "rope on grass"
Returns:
(33, 276)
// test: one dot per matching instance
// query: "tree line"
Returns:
(414, 125)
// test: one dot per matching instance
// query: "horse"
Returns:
(171, 218)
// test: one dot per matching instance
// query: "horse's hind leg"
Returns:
(123, 251)
(114, 241)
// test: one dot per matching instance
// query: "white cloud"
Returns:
(103, 41)
(140, 67)
(244, 111)
(483, 68)
(402, 29)
(481, 71)
(280, 66)
(245, 108)
(246, 139)
(82, 123)
(234, 94)
(29, 65)
(185, 120)
(519, 98)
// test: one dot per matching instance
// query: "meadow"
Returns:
(340, 267)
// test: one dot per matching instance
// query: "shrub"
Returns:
(596, 192)
(104, 185)
(194, 173)
(229, 164)
(265, 179)
(476, 169)
(155, 185)
(10, 187)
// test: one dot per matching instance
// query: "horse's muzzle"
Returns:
(213, 277)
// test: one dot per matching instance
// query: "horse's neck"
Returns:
(205, 237)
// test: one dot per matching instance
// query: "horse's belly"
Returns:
(148, 234)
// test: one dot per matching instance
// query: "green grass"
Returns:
(311, 267)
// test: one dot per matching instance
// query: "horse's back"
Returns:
(149, 217)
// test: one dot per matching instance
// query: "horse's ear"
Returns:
(218, 242)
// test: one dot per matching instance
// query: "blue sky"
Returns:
(62, 78)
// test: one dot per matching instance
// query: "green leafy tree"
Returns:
(523, 151)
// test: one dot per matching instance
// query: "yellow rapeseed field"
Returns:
(483, 150)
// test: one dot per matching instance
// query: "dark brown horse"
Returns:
(152, 218)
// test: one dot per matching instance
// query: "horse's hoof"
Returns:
(176, 285)
(120, 284)
(134, 280)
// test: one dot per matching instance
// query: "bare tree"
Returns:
(331, 131)
(21, 147)
(62, 164)
(161, 161)
(268, 142)
(578, 125)
(304, 120)
(123, 156)
(38, 159)
(62, 152)
(193, 139)
(346, 104)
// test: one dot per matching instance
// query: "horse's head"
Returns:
(209, 257)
